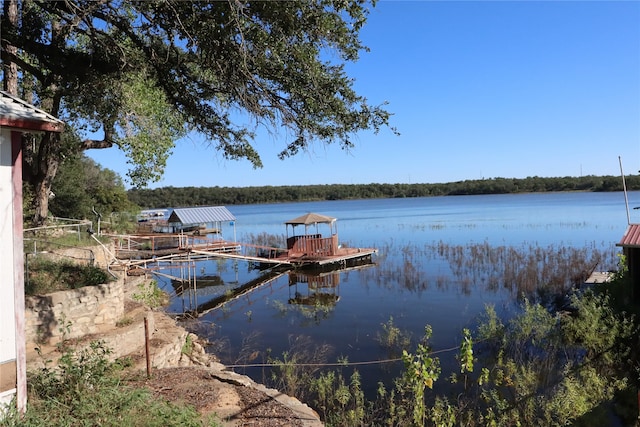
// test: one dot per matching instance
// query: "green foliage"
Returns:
(150, 294)
(86, 389)
(45, 276)
(393, 338)
(142, 75)
(340, 403)
(184, 196)
(539, 368)
(149, 127)
(466, 352)
(421, 371)
(295, 370)
(551, 369)
(187, 347)
(82, 186)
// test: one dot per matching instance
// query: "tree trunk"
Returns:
(41, 162)
(10, 83)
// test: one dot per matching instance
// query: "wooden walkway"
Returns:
(138, 250)
(301, 261)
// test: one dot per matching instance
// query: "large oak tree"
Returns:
(142, 74)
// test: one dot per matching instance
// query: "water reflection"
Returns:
(314, 289)
(231, 294)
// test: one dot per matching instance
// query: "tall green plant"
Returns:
(421, 371)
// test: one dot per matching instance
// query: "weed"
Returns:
(150, 295)
(393, 338)
(187, 347)
(125, 321)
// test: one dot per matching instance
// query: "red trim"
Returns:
(34, 125)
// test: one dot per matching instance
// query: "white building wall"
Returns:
(7, 275)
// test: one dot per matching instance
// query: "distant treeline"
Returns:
(211, 196)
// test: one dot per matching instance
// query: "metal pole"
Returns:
(624, 189)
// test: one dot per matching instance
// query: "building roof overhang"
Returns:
(18, 114)
(631, 237)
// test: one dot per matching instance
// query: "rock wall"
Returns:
(73, 313)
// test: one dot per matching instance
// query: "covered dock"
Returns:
(309, 249)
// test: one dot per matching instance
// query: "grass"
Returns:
(60, 240)
(44, 276)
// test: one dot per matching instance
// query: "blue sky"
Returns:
(478, 90)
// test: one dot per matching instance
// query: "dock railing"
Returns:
(313, 245)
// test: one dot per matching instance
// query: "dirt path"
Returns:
(234, 399)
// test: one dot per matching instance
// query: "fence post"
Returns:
(146, 346)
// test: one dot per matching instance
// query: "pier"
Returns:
(139, 250)
(308, 250)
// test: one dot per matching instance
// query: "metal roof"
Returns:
(16, 113)
(631, 237)
(311, 218)
(201, 215)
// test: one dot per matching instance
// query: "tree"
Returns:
(82, 188)
(141, 74)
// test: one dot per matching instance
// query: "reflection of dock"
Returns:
(233, 294)
(305, 252)
(318, 288)
(321, 289)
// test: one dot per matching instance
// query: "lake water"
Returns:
(441, 260)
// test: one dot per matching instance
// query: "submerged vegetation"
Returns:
(541, 273)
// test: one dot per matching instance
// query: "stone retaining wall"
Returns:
(73, 313)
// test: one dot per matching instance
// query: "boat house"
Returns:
(201, 220)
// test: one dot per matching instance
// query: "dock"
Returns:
(309, 250)
(139, 249)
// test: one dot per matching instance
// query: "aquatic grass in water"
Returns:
(528, 270)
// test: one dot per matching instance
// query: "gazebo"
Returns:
(312, 244)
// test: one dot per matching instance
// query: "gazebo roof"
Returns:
(311, 218)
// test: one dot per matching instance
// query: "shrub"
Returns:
(86, 390)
